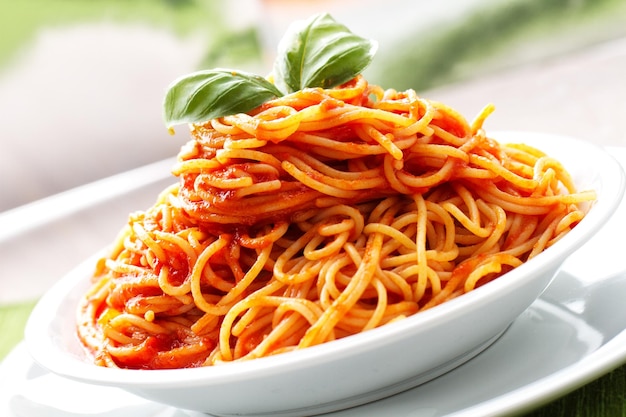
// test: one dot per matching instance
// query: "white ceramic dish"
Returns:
(575, 332)
(354, 370)
(562, 345)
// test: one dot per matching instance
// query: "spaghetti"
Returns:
(319, 215)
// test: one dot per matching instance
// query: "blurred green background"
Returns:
(79, 77)
(488, 35)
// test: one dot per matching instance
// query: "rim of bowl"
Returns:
(42, 336)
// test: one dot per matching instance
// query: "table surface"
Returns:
(582, 94)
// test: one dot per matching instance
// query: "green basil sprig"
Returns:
(318, 52)
(206, 95)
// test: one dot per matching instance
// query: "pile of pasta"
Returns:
(319, 215)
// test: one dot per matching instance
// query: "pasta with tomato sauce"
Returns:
(319, 215)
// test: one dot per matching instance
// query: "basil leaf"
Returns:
(210, 94)
(320, 52)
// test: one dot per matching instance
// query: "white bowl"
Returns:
(357, 369)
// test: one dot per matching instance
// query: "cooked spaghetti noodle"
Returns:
(319, 215)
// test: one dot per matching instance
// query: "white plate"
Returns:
(575, 332)
(351, 371)
(566, 334)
